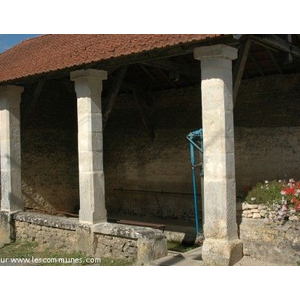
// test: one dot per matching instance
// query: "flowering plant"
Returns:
(282, 198)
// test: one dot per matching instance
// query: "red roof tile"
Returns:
(56, 52)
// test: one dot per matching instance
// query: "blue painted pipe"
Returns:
(192, 150)
(199, 146)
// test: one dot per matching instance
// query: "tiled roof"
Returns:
(49, 53)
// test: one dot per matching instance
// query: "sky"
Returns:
(9, 40)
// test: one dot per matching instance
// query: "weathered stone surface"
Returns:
(221, 244)
(151, 249)
(263, 213)
(252, 206)
(150, 243)
(46, 237)
(115, 247)
(88, 86)
(47, 220)
(256, 216)
(132, 232)
(11, 190)
(85, 240)
(217, 252)
(104, 239)
(273, 243)
(6, 229)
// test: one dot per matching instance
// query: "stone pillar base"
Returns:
(85, 240)
(151, 249)
(217, 252)
(6, 229)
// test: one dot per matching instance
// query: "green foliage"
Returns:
(264, 193)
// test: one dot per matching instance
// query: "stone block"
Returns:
(151, 249)
(256, 216)
(6, 229)
(221, 252)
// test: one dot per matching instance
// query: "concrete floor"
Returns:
(193, 258)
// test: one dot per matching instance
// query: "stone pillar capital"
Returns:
(89, 74)
(215, 51)
(5, 89)
(10, 96)
(88, 82)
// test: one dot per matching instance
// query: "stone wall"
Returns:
(110, 240)
(267, 131)
(277, 244)
(49, 149)
(115, 247)
(46, 237)
(252, 211)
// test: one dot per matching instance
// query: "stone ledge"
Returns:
(46, 220)
(278, 244)
(126, 231)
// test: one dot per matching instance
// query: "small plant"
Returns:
(266, 193)
(283, 198)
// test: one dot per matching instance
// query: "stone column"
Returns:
(11, 189)
(221, 245)
(88, 86)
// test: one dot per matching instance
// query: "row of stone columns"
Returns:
(221, 246)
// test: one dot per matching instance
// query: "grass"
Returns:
(50, 257)
(179, 247)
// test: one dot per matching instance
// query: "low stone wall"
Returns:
(145, 244)
(259, 211)
(252, 211)
(100, 240)
(115, 247)
(278, 244)
(46, 237)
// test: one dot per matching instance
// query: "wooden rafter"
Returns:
(257, 65)
(113, 93)
(184, 69)
(274, 42)
(149, 74)
(276, 63)
(240, 67)
(289, 56)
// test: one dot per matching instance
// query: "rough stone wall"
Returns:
(115, 247)
(266, 154)
(49, 150)
(267, 141)
(63, 239)
(274, 243)
(46, 237)
(112, 240)
(133, 161)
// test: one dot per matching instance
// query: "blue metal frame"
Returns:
(198, 134)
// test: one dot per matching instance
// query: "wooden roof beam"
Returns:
(239, 68)
(113, 93)
(274, 42)
(276, 63)
(174, 66)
